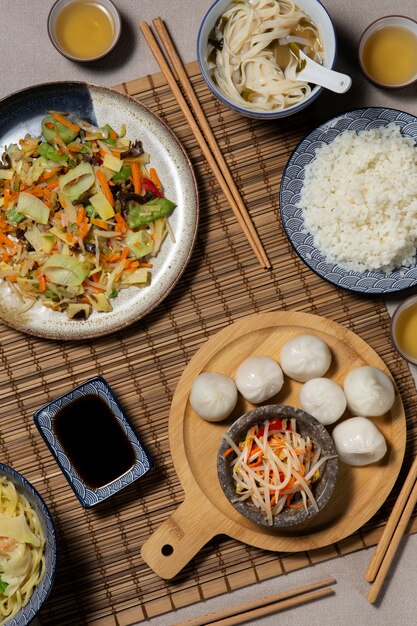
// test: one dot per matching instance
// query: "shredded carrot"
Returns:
(81, 215)
(6, 197)
(50, 125)
(62, 120)
(48, 175)
(52, 184)
(100, 223)
(6, 241)
(42, 283)
(125, 253)
(155, 177)
(137, 179)
(113, 134)
(105, 187)
(12, 279)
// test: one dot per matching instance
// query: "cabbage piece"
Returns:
(77, 181)
(33, 207)
(65, 270)
(139, 276)
(34, 237)
(66, 134)
(139, 243)
(18, 529)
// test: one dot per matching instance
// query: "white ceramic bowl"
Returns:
(314, 9)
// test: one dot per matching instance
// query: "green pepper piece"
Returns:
(51, 295)
(64, 132)
(89, 209)
(3, 586)
(123, 174)
(51, 153)
(142, 214)
(14, 217)
(113, 294)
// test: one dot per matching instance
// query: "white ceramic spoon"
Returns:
(315, 73)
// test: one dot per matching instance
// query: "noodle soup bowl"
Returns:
(318, 15)
(40, 593)
(306, 425)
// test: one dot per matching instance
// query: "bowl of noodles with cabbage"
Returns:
(28, 553)
(248, 51)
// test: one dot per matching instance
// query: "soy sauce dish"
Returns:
(280, 428)
(92, 441)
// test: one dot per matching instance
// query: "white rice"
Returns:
(359, 199)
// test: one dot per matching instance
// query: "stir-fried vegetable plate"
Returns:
(82, 215)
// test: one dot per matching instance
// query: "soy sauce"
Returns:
(93, 440)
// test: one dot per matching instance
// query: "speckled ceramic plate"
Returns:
(292, 181)
(21, 113)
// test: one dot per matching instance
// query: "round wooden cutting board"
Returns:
(205, 512)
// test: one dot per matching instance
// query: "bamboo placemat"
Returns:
(101, 578)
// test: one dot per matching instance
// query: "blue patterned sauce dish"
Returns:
(92, 441)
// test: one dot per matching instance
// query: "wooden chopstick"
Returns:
(385, 540)
(185, 83)
(242, 217)
(264, 606)
(393, 546)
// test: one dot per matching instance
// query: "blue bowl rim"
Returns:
(371, 294)
(7, 470)
(72, 473)
(260, 114)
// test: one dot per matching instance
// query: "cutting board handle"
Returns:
(181, 536)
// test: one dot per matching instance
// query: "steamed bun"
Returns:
(369, 391)
(213, 396)
(259, 378)
(323, 399)
(359, 442)
(305, 357)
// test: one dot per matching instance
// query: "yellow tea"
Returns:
(406, 331)
(84, 29)
(390, 55)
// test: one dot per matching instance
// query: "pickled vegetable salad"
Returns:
(81, 215)
(275, 467)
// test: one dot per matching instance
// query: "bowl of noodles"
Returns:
(28, 553)
(247, 51)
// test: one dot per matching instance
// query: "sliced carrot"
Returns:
(81, 215)
(12, 279)
(155, 177)
(50, 174)
(6, 197)
(136, 177)
(105, 186)
(42, 284)
(6, 241)
(65, 122)
(50, 125)
(125, 253)
(100, 223)
(52, 184)
(112, 134)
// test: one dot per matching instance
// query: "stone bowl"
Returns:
(306, 425)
